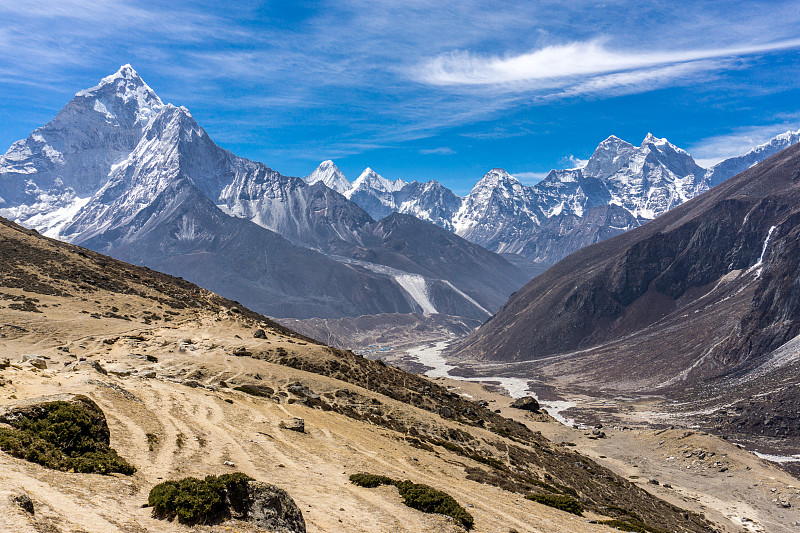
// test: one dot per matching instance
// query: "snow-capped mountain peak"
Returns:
(123, 88)
(328, 173)
(496, 180)
(370, 178)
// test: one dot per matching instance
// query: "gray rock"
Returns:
(294, 424)
(24, 502)
(302, 391)
(37, 361)
(241, 352)
(266, 506)
(98, 367)
(526, 403)
(259, 334)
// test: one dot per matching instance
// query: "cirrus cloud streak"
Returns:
(572, 60)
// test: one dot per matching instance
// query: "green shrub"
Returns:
(559, 501)
(371, 481)
(429, 500)
(255, 390)
(195, 501)
(418, 496)
(64, 436)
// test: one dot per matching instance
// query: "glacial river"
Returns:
(431, 356)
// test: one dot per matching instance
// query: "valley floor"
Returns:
(694, 469)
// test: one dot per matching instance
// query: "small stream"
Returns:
(430, 356)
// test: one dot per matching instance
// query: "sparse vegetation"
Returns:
(559, 501)
(195, 501)
(634, 525)
(371, 481)
(255, 390)
(65, 436)
(418, 496)
(180, 439)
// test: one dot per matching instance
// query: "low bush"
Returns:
(195, 501)
(255, 390)
(418, 496)
(64, 436)
(634, 525)
(371, 481)
(559, 501)
(429, 500)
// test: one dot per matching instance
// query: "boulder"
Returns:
(266, 506)
(35, 361)
(260, 334)
(526, 403)
(24, 502)
(294, 424)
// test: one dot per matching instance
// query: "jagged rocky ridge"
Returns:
(621, 187)
(121, 172)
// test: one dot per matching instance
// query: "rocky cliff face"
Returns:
(725, 259)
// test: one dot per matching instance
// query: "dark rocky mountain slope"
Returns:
(707, 288)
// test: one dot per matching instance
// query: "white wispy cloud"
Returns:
(711, 150)
(546, 65)
(444, 150)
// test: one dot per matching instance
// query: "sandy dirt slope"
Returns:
(195, 430)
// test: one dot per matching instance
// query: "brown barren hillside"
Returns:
(190, 387)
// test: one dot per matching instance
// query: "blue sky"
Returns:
(422, 90)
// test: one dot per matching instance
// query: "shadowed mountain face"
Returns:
(707, 289)
(121, 172)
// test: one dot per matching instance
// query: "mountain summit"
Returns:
(620, 187)
(119, 171)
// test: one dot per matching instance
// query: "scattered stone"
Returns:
(229, 463)
(97, 367)
(146, 374)
(526, 403)
(4, 363)
(119, 371)
(302, 391)
(195, 374)
(36, 361)
(192, 383)
(24, 502)
(653, 481)
(259, 334)
(294, 424)
(241, 352)
(667, 486)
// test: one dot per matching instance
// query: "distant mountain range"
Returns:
(119, 171)
(622, 186)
